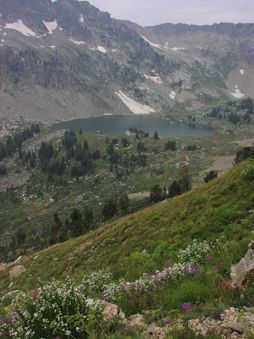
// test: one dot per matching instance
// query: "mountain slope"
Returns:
(67, 59)
(221, 209)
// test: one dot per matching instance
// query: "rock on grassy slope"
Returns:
(221, 209)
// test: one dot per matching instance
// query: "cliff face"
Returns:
(70, 58)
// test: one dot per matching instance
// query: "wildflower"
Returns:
(222, 298)
(166, 265)
(213, 268)
(186, 268)
(123, 288)
(208, 258)
(186, 307)
(168, 323)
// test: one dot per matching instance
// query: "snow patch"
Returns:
(77, 42)
(19, 26)
(154, 45)
(102, 49)
(164, 48)
(81, 18)
(237, 93)
(2, 40)
(113, 50)
(4, 33)
(52, 46)
(51, 26)
(60, 28)
(155, 79)
(0, 15)
(92, 49)
(177, 48)
(108, 114)
(172, 95)
(133, 105)
(242, 71)
(199, 47)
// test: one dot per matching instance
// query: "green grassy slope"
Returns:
(145, 240)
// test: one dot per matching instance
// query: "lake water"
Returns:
(117, 125)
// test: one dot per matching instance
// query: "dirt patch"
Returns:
(139, 195)
(221, 164)
(245, 142)
(13, 180)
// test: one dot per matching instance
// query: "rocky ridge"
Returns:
(67, 59)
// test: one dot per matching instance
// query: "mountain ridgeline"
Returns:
(67, 60)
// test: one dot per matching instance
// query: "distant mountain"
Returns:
(67, 59)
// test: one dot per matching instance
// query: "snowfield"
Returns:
(77, 42)
(51, 26)
(21, 27)
(133, 105)
(237, 93)
(155, 79)
(164, 48)
(102, 49)
(172, 95)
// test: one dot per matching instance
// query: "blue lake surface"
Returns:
(117, 125)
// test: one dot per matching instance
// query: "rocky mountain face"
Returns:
(67, 59)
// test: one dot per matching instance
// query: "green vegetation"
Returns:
(197, 236)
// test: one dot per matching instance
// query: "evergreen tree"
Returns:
(156, 136)
(155, 194)
(56, 229)
(124, 203)
(109, 208)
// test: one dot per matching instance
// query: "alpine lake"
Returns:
(117, 125)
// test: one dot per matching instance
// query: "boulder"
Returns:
(15, 271)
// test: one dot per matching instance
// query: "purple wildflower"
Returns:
(208, 258)
(111, 311)
(213, 268)
(193, 266)
(94, 293)
(186, 268)
(166, 265)
(186, 307)
(123, 288)
(168, 323)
